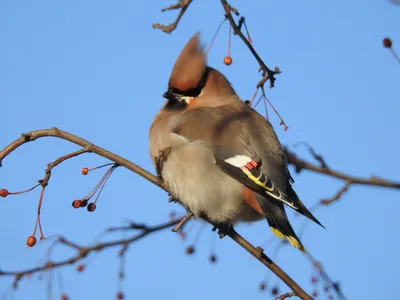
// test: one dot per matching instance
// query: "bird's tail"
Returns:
(279, 223)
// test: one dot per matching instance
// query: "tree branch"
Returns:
(54, 132)
(84, 251)
(183, 6)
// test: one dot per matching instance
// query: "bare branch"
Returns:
(267, 73)
(301, 164)
(82, 252)
(54, 132)
(286, 295)
(183, 6)
(338, 194)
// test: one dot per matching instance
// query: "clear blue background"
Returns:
(97, 69)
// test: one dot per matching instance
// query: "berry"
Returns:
(227, 60)
(76, 203)
(263, 286)
(91, 207)
(31, 241)
(120, 295)
(189, 250)
(248, 102)
(387, 43)
(80, 268)
(84, 202)
(85, 171)
(3, 193)
(275, 291)
(326, 289)
(314, 280)
(64, 297)
(213, 258)
(315, 294)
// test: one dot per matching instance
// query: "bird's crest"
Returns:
(189, 66)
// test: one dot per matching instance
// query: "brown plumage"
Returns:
(226, 163)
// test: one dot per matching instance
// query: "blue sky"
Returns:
(97, 69)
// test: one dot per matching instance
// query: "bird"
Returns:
(216, 155)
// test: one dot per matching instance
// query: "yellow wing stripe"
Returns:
(256, 181)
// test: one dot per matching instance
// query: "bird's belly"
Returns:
(192, 177)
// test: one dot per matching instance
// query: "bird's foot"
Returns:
(223, 229)
(183, 221)
(160, 159)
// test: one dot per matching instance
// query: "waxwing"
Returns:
(219, 157)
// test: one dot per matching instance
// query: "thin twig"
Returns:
(286, 295)
(183, 6)
(267, 73)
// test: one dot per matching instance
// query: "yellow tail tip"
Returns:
(296, 243)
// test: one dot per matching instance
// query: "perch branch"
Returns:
(54, 132)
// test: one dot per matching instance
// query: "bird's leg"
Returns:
(158, 160)
(183, 221)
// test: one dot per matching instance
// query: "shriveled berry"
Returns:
(120, 295)
(227, 60)
(213, 258)
(31, 241)
(314, 280)
(80, 268)
(189, 250)
(275, 291)
(85, 171)
(84, 202)
(76, 203)
(91, 207)
(263, 286)
(387, 43)
(64, 297)
(3, 193)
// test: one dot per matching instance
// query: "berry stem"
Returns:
(26, 191)
(215, 35)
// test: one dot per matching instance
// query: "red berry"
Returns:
(91, 207)
(31, 241)
(64, 297)
(387, 43)
(263, 286)
(80, 268)
(120, 295)
(3, 193)
(275, 291)
(213, 258)
(84, 202)
(85, 171)
(190, 250)
(314, 280)
(248, 102)
(76, 203)
(227, 60)
(315, 294)
(326, 289)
